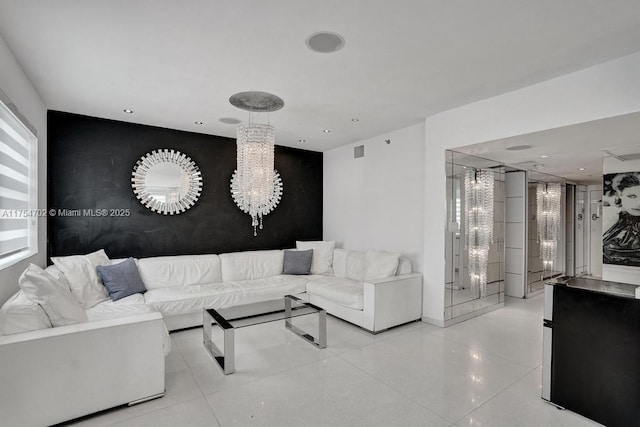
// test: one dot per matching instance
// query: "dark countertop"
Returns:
(596, 285)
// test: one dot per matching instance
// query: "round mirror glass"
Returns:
(166, 181)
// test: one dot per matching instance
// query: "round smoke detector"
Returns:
(325, 42)
(260, 102)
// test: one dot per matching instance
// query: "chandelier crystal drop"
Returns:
(478, 189)
(548, 221)
(256, 187)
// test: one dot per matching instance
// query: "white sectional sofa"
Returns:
(117, 356)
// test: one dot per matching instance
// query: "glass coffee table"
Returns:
(232, 318)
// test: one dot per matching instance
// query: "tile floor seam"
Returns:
(212, 411)
(190, 371)
(269, 375)
(496, 395)
(156, 410)
(399, 392)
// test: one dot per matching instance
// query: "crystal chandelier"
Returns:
(478, 190)
(256, 187)
(548, 221)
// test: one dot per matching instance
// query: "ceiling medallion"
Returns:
(258, 102)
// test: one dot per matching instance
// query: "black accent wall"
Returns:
(90, 161)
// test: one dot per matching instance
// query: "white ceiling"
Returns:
(177, 62)
(568, 148)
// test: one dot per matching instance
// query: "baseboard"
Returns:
(449, 322)
(433, 321)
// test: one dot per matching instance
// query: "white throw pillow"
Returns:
(322, 255)
(356, 266)
(80, 271)
(381, 264)
(53, 294)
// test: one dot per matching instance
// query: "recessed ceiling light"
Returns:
(355, 120)
(538, 166)
(326, 130)
(544, 156)
(580, 169)
(325, 42)
(198, 123)
(126, 110)
(518, 147)
(230, 120)
(302, 140)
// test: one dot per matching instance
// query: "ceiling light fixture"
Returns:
(355, 120)
(198, 123)
(548, 222)
(302, 140)
(580, 169)
(126, 110)
(544, 156)
(326, 130)
(478, 223)
(256, 187)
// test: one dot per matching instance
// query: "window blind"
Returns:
(17, 145)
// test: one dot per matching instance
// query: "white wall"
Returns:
(376, 202)
(606, 90)
(620, 273)
(15, 84)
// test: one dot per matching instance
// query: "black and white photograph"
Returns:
(621, 219)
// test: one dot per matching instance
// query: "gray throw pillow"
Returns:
(122, 279)
(297, 262)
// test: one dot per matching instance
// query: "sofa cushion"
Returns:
(193, 299)
(22, 314)
(122, 308)
(80, 271)
(356, 265)
(251, 265)
(340, 262)
(404, 266)
(113, 310)
(322, 255)
(342, 291)
(121, 279)
(53, 294)
(182, 270)
(297, 262)
(380, 264)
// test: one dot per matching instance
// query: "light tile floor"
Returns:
(482, 372)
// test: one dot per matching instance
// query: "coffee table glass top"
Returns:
(268, 311)
(232, 318)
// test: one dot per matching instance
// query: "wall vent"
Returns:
(358, 151)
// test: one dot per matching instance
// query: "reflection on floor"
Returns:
(482, 372)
